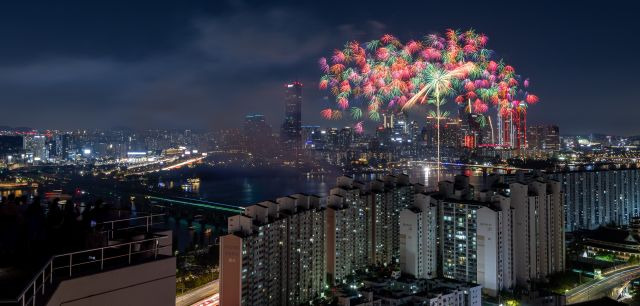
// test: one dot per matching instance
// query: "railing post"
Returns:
(129, 253)
(112, 230)
(155, 251)
(43, 281)
(147, 218)
(34, 294)
(51, 272)
(101, 259)
(70, 263)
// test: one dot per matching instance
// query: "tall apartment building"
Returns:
(283, 252)
(274, 253)
(538, 229)
(501, 236)
(347, 230)
(386, 198)
(372, 211)
(597, 197)
(474, 236)
(417, 237)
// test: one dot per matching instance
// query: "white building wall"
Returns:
(488, 240)
(418, 245)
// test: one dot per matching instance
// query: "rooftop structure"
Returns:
(126, 260)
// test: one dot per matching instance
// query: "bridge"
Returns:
(613, 284)
(433, 165)
(621, 292)
(196, 203)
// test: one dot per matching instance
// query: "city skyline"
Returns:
(181, 67)
(243, 152)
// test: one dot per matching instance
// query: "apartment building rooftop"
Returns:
(44, 267)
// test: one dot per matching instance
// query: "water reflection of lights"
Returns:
(426, 175)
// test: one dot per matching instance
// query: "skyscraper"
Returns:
(545, 138)
(63, 143)
(292, 125)
(257, 134)
(36, 145)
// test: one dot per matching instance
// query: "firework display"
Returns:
(385, 76)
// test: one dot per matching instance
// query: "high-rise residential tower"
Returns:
(538, 230)
(274, 253)
(595, 197)
(418, 236)
(474, 236)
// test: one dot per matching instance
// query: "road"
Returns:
(213, 300)
(602, 287)
(199, 294)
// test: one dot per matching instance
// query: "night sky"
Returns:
(205, 64)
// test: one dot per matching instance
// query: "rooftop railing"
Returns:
(145, 222)
(68, 265)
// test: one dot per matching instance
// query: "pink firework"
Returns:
(492, 66)
(343, 103)
(323, 65)
(323, 84)
(480, 107)
(338, 57)
(326, 113)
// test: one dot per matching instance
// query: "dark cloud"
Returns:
(206, 64)
(231, 65)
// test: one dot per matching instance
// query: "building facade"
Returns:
(500, 236)
(386, 198)
(417, 237)
(474, 236)
(348, 243)
(543, 138)
(597, 197)
(258, 139)
(538, 230)
(274, 253)
(292, 126)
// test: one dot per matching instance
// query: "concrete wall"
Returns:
(488, 250)
(231, 270)
(152, 283)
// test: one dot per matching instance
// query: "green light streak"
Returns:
(234, 210)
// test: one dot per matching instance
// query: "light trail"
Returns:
(186, 162)
(213, 300)
(593, 290)
(192, 202)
